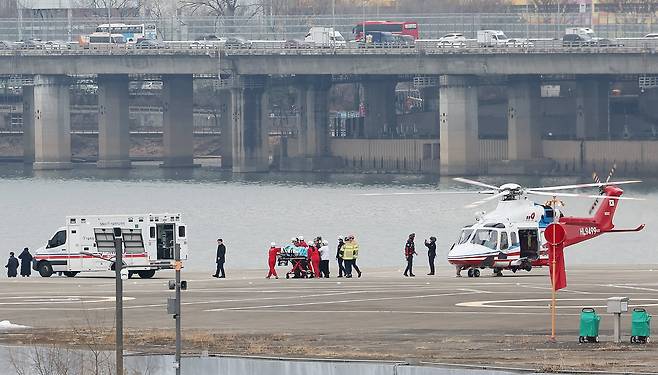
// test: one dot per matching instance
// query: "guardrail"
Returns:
(428, 47)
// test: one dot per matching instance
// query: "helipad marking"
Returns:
(503, 303)
(632, 287)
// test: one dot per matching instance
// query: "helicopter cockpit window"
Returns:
(466, 234)
(514, 238)
(486, 237)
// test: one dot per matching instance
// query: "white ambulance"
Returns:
(86, 243)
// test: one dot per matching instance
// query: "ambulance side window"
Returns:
(58, 239)
(181, 231)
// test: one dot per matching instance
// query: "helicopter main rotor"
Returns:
(512, 191)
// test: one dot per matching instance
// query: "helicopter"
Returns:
(511, 236)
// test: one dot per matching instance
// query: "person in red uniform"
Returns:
(301, 242)
(271, 260)
(314, 256)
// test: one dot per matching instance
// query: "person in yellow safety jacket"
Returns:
(348, 256)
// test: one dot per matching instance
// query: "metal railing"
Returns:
(262, 27)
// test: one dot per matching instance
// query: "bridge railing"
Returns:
(265, 27)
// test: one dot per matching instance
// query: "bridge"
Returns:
(451, 74)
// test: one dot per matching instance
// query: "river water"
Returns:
(250, 210)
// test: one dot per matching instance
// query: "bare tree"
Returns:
(222, 8)
(122, 8)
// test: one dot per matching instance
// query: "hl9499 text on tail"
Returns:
(87, 243)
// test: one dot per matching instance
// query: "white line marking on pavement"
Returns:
(505, 303)
(407, 312)
(341, 301)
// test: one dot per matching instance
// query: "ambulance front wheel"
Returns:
(45, 269)
(146, 274)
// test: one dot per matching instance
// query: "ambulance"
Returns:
(86, 243)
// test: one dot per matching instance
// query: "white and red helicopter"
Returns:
(511, 236)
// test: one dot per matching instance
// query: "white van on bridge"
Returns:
(86, 243)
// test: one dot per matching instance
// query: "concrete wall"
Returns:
(414, 62)
(161, 365)
(387, 154)
(423, 154)
(630, 156)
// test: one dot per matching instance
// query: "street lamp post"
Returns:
(109, 20)
(118, 266)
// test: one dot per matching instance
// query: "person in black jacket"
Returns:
(339, 257)
(12, 265)
(26, 262)
(431, 252)
(221, 258)
(409, 252)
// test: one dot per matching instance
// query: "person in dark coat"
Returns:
(221, 258)
(12, 265)
(409, 252)
(339, 257)
(431, 252)
(26, 262)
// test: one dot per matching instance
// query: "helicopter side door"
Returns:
(529, 243)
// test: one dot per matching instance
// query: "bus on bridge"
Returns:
(131, 33)
(395, 27)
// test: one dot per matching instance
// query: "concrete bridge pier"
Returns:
(113, 122)
(379, 99)
(458, 119)
(523, 119)
(28, 124)
(311, 147)
(178, 120)
(52, 122)
(226, 128)
(592, 107)
(249, 103)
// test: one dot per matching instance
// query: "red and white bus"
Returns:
(395, 27)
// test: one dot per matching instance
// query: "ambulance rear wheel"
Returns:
(45, 269)
(70, 273)
(146, 274)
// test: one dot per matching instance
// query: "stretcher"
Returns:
(297, 258)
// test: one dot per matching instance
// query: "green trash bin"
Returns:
(641, 326)
(589, 325)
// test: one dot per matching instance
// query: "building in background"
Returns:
(69, 8)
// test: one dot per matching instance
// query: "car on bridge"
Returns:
(6, 45)
(236, 42)
(150, 44)
(56, 45)
(579, 40)
(452, 40)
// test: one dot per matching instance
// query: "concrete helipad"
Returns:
(382, 301)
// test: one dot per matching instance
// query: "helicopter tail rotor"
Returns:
(596, 179)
